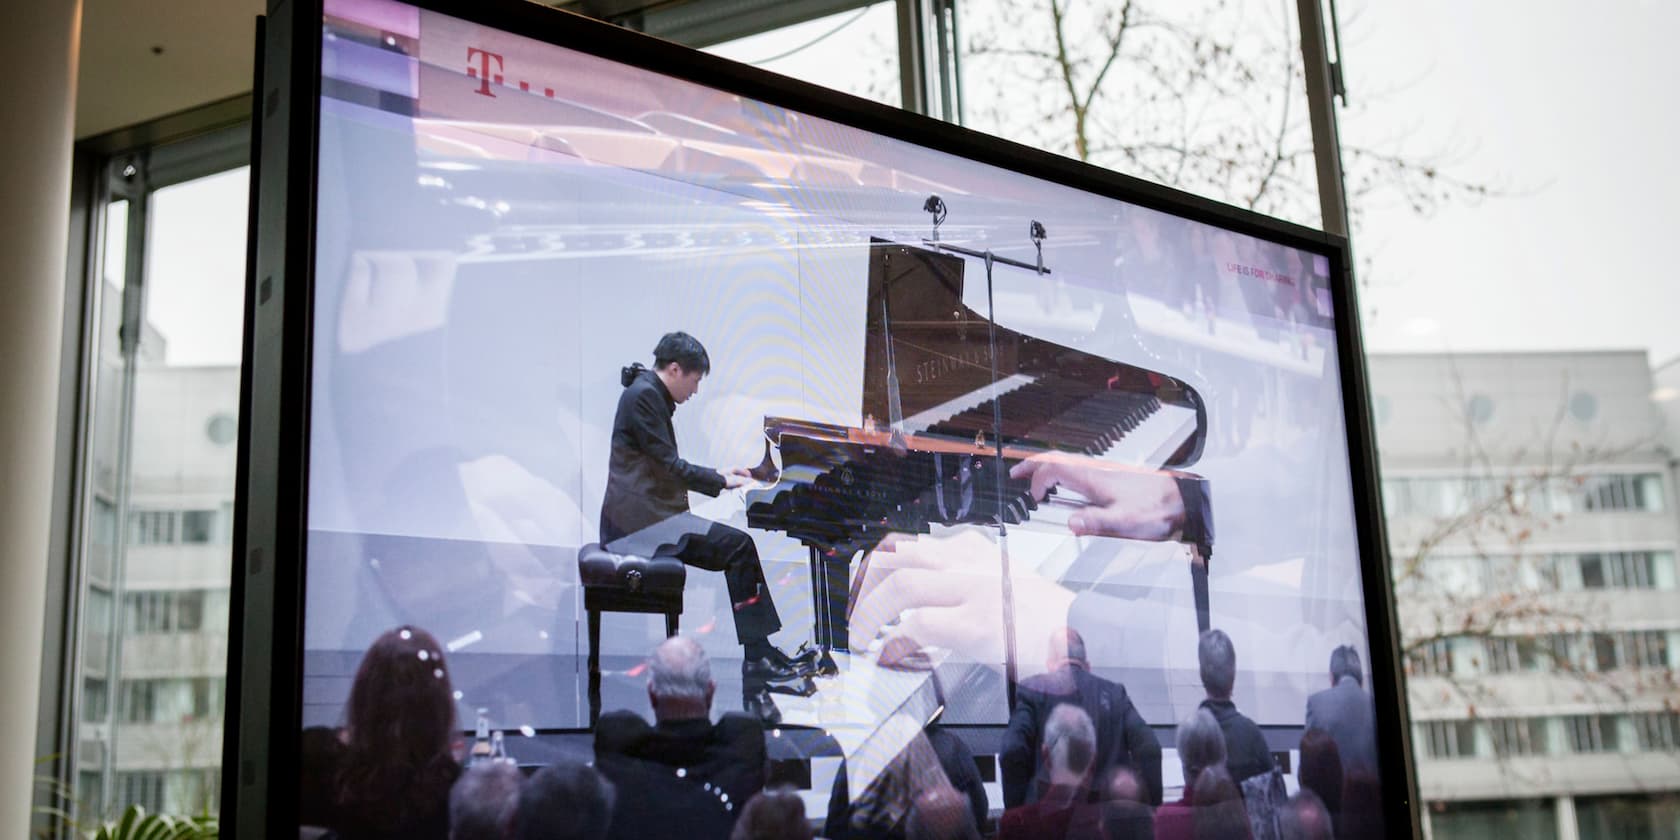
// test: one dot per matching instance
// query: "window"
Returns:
(1518, 736)
(1592, 733)
(144, 789)
(151, 527)
(1619, 493)
(1647, 649)
(1657, 731)
(1434, 658)
(1507, 654)
(139, 701)
(1451, 738)
(174, 225)
(198, 526)
(1606, 653)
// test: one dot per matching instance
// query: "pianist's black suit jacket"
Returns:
(647, 482)
(728, 754)
(1123, 738)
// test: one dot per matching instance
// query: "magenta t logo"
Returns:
(482, 71)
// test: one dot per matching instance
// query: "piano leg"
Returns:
(830, 585)
(1199, 586)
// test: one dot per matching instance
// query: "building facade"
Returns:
(1530, 502)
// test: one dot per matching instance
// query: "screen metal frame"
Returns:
(261, 761)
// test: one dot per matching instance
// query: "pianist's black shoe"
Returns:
(804, 660)
(757, 702)
(766, 670)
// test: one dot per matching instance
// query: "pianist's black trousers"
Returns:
(716, 547)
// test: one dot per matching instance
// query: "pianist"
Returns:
(645, 511)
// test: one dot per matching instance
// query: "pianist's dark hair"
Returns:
(399, 723)
(1344, 662)
(685, 350)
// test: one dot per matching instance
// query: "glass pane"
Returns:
(162, 472)
(854, 52)
(1201, 96)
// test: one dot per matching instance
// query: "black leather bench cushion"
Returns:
(602, 568)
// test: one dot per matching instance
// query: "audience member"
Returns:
(1246, 753)
(1123, 738)
(954, 759)
(1346, 712)
(482, 803)
(727, 755)
(1218, 813)
(1201, 745)
(1125, 814)
(1063, 808)
(774, 814)
(940, 813)
(1321, 769)
(1305, 818)
(566, 801)
(387, 772)
(1361, 815)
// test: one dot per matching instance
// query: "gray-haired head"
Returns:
(680, 678)
(1201, 744)
(1219, 663)
(1070, 741)
(482, 802)
(1344, 662)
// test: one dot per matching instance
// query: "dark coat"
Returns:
(1346, 712)
(1246, 753)
(1123, 738)
(728, 754)
(647, 483)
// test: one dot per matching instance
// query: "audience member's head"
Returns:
(1344, 662)
(1070, 745)
(1201, 744)
(1321, 768)
(1218, 812)
(482, 803)
(940, 813)
(399, 725)
(1219, 663)
(1124, 786)
(775, 814)
(1126, 814)
(680, 683)
(566, 801)
(1305, 818)
(1067, 647)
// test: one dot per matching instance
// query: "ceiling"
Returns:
(207, 50)
(144, 59)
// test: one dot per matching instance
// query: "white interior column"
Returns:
(40, 40)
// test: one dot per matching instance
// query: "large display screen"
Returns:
(901, 420)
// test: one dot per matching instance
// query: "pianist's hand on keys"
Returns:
(946, 592)
(1123, 501)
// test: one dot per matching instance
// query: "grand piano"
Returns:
(951, 402)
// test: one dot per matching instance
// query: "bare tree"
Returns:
(1204, 96)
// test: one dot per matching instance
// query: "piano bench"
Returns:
(625, 583)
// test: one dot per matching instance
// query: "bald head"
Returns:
(940, 813)
(1067, 647)
(680, 680)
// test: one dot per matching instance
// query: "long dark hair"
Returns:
(399, 724)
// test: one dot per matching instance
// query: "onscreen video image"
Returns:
(897, 444)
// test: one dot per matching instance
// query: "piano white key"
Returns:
(980, 396)
(1155, 439)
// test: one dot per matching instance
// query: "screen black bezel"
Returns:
(260, 767)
